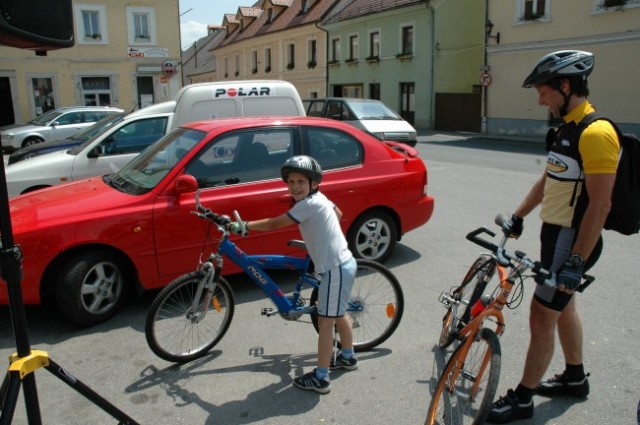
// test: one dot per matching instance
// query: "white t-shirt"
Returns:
(320, 229)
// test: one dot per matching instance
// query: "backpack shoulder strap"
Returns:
(594, 116)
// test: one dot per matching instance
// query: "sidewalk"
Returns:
(428, 135)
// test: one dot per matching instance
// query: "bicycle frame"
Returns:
(255, 265)
(494, 309)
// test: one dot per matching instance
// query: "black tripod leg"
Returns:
(9, 391)
(94, 397)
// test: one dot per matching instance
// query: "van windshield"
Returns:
(147, 169)
(366, 110)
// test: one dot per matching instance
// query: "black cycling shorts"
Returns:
(556, 244)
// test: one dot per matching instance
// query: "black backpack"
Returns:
(624, 216)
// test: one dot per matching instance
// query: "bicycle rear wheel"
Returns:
(467, 386)
(375, 307)
(465, 296)
(177, 335)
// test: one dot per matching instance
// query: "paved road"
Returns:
(247, 378)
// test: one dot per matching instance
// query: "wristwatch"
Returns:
(576, 260)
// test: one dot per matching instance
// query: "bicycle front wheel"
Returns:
(467, 386)
(177, 333)
(465, 296)
(375, 307)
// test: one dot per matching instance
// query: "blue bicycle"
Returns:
(192, 314)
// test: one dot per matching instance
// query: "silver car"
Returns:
(53, 125)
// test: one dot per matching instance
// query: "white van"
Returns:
(109, 151)
(369, 115)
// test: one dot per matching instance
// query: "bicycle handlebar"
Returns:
(506, 258)
(204, 212)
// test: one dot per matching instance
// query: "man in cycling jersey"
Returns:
(319, 222)
(574, 194)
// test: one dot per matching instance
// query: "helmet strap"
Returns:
(557, 84)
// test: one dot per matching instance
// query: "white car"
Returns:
(105, 153)
(53, 125)
(369, 115)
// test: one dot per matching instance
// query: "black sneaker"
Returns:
(561, 385)
(508, 408)
(309, 382)
(342, 363)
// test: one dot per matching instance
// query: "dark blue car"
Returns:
(62, 144)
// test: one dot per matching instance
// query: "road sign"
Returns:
(485, 79)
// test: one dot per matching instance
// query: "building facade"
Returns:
(530, 29)
(276, 39)
(410, 55)
(126, 54)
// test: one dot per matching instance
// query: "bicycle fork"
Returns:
(464, 392)
(198, 309)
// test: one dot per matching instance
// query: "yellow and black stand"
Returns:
(25, 361)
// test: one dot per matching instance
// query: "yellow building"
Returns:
(126, 54)
(523, 31)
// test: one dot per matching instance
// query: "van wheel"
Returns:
(91, 287)
(373, 236)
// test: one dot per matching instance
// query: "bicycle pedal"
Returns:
(268, 311)
(446, 299)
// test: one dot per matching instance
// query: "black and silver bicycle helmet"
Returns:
(302, 164)
(563, 63)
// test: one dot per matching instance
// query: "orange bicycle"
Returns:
(468, 383)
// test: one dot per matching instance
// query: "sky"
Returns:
(196, 15)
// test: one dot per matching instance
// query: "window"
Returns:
(312, 52)
(374, 44)
(267, 59)
(237, 65)
(254, 61)
(96, 91)
(374, 91)
(532, 10)
(291, 56)
(333, 148)
(141, 25)
(134, 137)
(90, 23)
(335, 50)
(616, 4)
(353, 47)
(43, 99)
(242, 157)
(70, 118)
(407, 40)
(226, 67)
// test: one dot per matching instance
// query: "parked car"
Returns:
(87, 243)
(38, 149)
(53, 125)
(118, 145)
(105, 153)
(369, 115)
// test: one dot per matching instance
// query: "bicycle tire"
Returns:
(466, 295)
(451, 402)
(376, 305)
(172, 335)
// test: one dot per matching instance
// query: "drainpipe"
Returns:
(485, 68)
(433, 59)
(326, 52)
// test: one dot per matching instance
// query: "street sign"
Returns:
(485, 79)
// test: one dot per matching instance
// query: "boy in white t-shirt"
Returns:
(319, 221)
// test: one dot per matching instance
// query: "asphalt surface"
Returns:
(246, 378)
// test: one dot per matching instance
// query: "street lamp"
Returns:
(489, 29)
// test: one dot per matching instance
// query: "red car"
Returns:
(87, 243)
